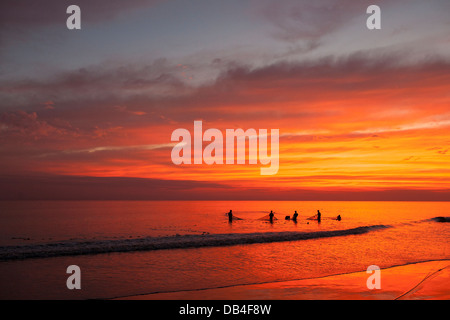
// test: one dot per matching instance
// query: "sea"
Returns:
(132, 248)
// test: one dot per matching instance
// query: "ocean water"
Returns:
(127, 248)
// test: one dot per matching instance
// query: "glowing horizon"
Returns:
(356, 109)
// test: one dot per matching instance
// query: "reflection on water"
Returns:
(412, 237)
(44, 221)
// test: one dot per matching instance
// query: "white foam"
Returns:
(172, 242)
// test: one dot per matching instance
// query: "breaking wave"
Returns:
(70, 248)
(440, 219)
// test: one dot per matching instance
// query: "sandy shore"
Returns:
(425, 280)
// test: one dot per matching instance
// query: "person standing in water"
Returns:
(271, 216)
(230, 216)
(294, 217)
(319, 215)
(338, 218)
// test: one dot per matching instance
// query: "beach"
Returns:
(419, 281)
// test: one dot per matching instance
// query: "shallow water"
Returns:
(409, 235)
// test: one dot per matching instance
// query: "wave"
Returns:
(440, 219)
(70, 248)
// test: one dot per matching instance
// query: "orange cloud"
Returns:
(345, 124)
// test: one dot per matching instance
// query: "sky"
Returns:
(88, 114)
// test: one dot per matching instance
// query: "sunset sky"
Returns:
(88, 114)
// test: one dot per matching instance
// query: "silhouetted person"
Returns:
(319, 215)
(230, 216)
(271, 216)
(294, 217)
(338, 218)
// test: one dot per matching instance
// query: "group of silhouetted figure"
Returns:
(317, 217)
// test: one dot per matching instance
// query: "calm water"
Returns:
(397, 233)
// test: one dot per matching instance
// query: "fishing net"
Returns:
(267, 217)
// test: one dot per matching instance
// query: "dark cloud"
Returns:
(22, 126)
(27, 14)
(30, 187)
(20, 18)
(104, 97)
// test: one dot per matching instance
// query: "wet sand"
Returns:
(425, 280)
